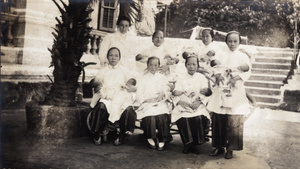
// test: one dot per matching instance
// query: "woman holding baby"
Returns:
(191, 91)
(112, 102)
(229, 102)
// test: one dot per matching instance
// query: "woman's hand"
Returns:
(160, 96)
(219, 79)
(152, 100)
(196, 104)
(233, 80)
(164, 68)
(183, 104)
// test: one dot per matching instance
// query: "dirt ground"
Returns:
(270, 141)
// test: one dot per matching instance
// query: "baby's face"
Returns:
(243, 67)
(211, 53)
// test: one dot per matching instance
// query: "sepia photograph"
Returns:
(150, 84)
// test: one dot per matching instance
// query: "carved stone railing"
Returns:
(95, 41)
(7, 23)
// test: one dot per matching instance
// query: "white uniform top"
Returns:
(189, 83)
(123, 43)
(150, 86)
(238, 101)
(112, 94)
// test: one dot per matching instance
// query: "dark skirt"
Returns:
(192, 130)
(227, 131)
(99, 119)
(161, 123)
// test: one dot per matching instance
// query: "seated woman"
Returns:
(158, 49)
(114, 107)
(191, 91)
(153, 110)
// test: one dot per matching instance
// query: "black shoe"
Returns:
(206, 139)
(117, 142)
(216, 152)
(151, 146)
(229, 154)
(97, 141)
(194, 150)
(186, 150)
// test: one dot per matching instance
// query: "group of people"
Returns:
(159, 88)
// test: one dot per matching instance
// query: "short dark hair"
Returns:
(112, 49)
(123, 18)
(156, 33)
(211, 32)
(192, 56)
(233, 32)
(213, 63)
(152, 58)
(133, 81)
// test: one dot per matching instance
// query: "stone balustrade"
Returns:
(7, 24)
(95, 41)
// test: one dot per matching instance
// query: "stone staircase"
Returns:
(269, 68)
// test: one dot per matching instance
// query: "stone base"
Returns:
(46, 121)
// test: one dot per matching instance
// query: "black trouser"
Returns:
(227, 131)
(99, 120)
(159, 122)
(191, 130)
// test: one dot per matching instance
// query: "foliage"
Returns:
(265, 23)
(71, 37)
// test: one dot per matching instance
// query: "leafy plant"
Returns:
(266, 23)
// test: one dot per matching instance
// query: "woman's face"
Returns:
(123, 26)
(233, 41)
(191, 65)
(158, 39)
(113, 57)
(153, 66)
(206, 37)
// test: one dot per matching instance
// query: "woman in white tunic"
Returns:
(157, 49)
(114, 108)
(122, 40)
(152, 90)
(190, 123)
(228, 116)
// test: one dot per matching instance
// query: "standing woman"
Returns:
(228, 115)
(109, 110)
(153, 110)
(189, 115)
(122, 40)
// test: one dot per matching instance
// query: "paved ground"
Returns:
(271, 140)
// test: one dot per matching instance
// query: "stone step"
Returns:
(267, 105)
(266, 99)
(263, 84)
(278, 78)
(273, 60)
(263, 91)
(269, 71)
(271, 66)
(274, 54)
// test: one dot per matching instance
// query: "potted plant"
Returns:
(60, 115)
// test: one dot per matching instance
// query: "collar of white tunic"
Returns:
(114, 67)
(120, 35)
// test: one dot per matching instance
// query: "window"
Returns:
(107, 15)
